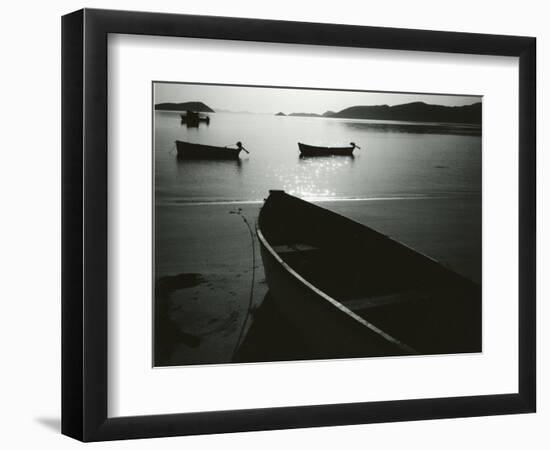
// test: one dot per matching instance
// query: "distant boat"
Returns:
(188, 150)
(192, 119)
(312, 150)
(350, 291)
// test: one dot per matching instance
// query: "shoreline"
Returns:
(213, 245)
(207, 202)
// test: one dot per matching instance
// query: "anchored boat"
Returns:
(192, 119)
(312, 150)
(188, 150)
(350, 291)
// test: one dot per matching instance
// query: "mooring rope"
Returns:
(251, 297)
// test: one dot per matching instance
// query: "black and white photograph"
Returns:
(275, 225)
(295, 224)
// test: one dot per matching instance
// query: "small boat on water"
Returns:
(188, 150)
(350, 291)
(192, 119)
(312, 150)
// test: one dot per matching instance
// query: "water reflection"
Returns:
(415, 128)
(329, 162)
(316, 177)
(184, 165)
(305, 157)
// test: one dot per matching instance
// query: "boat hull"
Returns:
(311, 150)
(418, 307)
(187, 150)
(324, 329)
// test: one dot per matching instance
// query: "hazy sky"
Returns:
(273, 100)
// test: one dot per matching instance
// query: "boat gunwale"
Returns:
(329, 299)
(318, 147)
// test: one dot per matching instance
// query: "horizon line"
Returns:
(327, 110)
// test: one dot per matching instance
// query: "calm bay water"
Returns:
(397, 159)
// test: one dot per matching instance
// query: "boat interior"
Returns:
(401, 291)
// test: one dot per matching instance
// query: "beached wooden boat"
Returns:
(312, 150)
(350, 291)
(188, 150)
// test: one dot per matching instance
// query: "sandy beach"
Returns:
(207, 277)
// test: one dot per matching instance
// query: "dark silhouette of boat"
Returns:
(350, 291)
(188, 150)
(192, 119)
(312, 150)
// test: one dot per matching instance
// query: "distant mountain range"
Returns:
(302, 114)
(186, 106)
(413, 112)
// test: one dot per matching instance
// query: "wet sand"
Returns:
(204, 266)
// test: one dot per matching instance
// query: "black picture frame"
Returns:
(84, 224)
